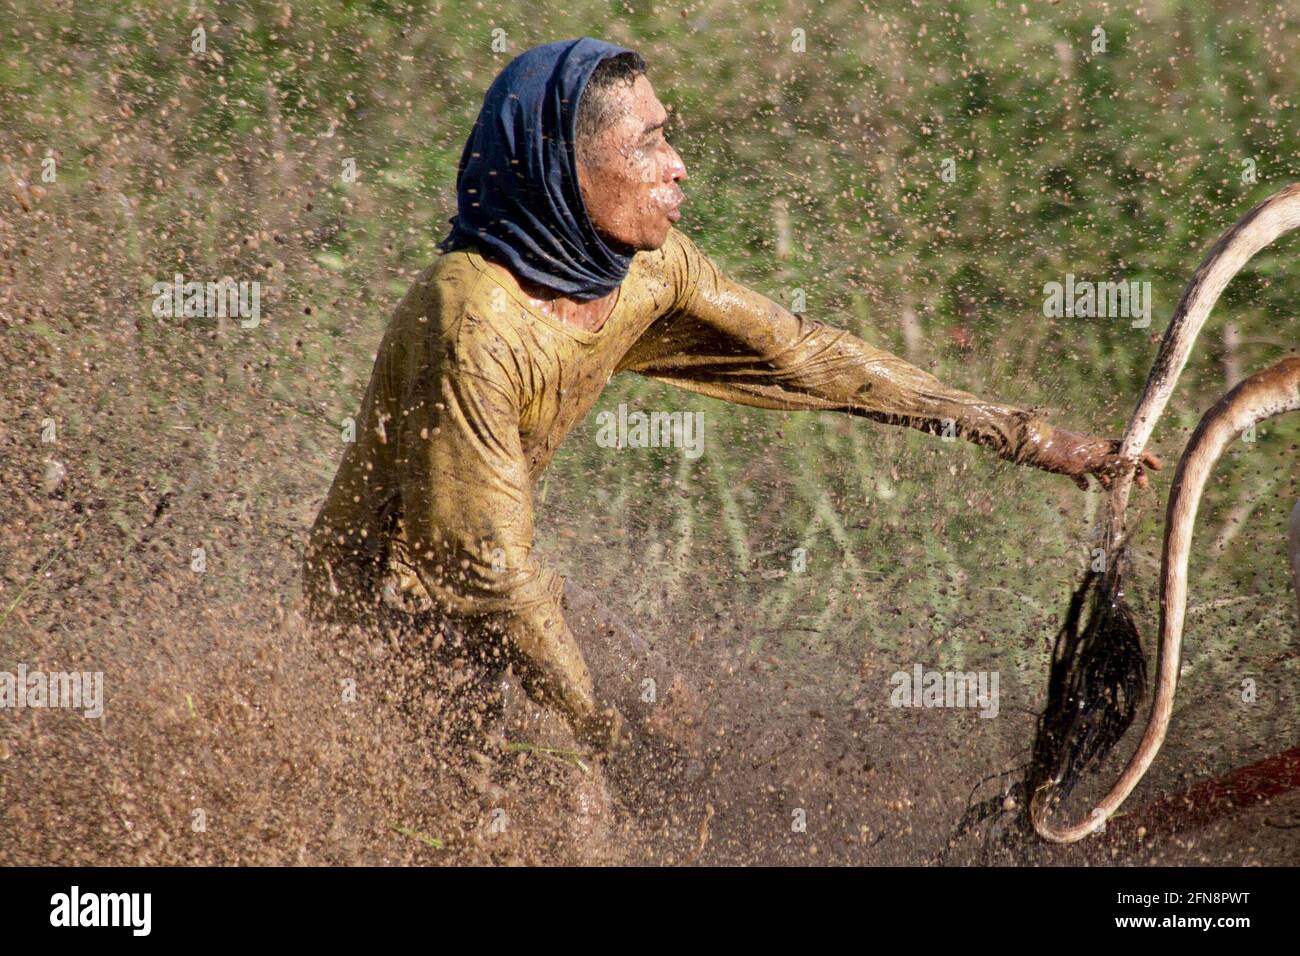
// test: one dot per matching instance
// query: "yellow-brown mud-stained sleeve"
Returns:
(473, 390)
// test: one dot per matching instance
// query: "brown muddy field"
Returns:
(233, 735)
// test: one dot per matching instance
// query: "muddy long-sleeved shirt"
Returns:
(474, 389)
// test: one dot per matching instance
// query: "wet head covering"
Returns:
(517, 193)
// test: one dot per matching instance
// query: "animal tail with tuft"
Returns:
(1098, 672)
(1271, 392)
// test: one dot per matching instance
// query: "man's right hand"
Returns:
(1069, 453)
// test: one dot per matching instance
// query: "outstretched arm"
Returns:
(729, 342)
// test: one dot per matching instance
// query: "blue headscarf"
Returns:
(517, 192)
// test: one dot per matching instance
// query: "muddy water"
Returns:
(233, 733)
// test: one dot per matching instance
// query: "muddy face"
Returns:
(629, 173)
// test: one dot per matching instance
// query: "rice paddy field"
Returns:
(918, 173)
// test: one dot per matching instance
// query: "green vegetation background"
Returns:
(816, 171)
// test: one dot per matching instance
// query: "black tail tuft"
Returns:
(1097, 680)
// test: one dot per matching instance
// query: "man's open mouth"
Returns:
(674, 210)
(670, 200)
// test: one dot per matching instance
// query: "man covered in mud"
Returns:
(562, 268)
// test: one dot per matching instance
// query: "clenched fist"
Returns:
(1069, 453)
